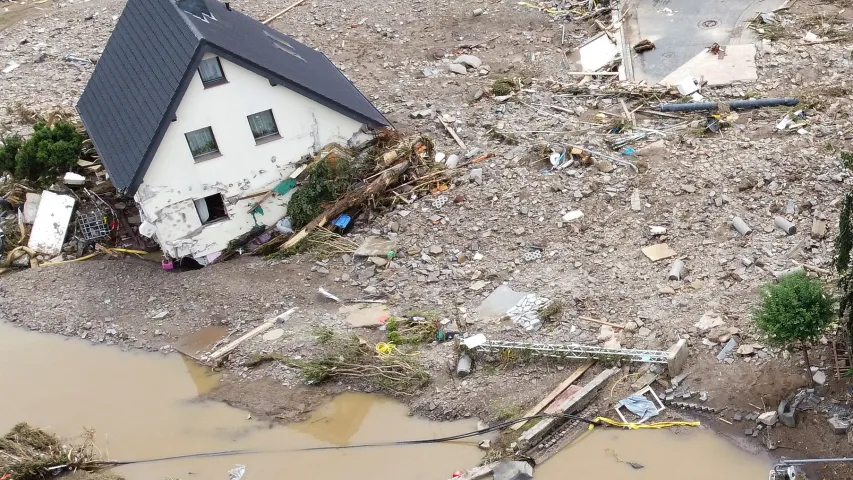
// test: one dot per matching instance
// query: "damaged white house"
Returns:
(198, 110)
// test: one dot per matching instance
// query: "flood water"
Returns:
(146, 406)
(687, 453)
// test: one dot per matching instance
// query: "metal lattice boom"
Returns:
(575, 351)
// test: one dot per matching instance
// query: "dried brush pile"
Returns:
(28, 453)
(347, 356)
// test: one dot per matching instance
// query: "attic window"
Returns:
(283, 45)
(202, 144)
(210, 71)
(211, 209)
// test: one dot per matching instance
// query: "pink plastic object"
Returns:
(167, 264)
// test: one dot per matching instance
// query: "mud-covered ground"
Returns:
(690, 182)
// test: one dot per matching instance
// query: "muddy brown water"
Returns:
(146, 406)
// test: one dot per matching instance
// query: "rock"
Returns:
(605, 166)
(688, 188)
(768, 418)
(476, 175)
(478, 285)
(378, 261)
(606, 333)
(375, 247)
(819, 377)
(572, 216)
(435, 249)
(708, 321)
(421, 114)
(485, 444)
(273, 335)
(666, 291)
(477, 12)
(631, 326)
(469, 60)
(474, 94)
(745, 350)
(457, 69)
(512, 470)
(612, 343)
(644, 332)
(839, 426)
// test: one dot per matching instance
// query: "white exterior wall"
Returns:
(174, 179)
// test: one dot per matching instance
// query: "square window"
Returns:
(202, 142)
(263, 124)
(211, 209)
(210, 71)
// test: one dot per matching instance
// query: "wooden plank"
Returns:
(298, 3)
(213, 357)
(556, 392)
(453, 134)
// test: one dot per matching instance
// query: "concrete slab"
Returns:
(561, 399)
(737, 65)
(51, 223)
(498, 303)
(597, 53)
(682, 30)
(31, 207)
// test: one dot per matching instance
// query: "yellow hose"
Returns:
(637, 426)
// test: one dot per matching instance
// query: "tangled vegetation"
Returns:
(843, 248)
(347, 356)
(50, 151)
(794, 312)
(413, 329)
(28, 453)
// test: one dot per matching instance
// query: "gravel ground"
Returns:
(690, 182)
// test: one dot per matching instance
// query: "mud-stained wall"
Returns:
(175, 179)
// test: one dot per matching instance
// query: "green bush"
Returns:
(49, 152)
(327, 180)
(8, 151)
(794, 311)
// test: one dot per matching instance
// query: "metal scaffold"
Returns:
(574, 351)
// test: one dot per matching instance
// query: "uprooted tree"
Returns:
(794, 312)
(50, 151)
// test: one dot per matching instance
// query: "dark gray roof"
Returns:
(152, 56)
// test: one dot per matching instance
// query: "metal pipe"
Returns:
(734, 104)
(816, 460)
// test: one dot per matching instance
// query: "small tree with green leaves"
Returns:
(794, 312)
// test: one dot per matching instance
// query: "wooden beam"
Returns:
(298, 3)
(215, 356)
(453, 134)
(556, 392)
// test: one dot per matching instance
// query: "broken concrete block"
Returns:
(768, 418)
(658, 252)
(787, 416)
(818, 229)
(839, 426)
(677, 357)
(819, 377)
(31, 207)
(72, 178)
(512, 470)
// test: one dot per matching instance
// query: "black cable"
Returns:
(451, 438)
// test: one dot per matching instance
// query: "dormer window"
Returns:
(210, 71)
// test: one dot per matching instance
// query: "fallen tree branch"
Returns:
(352, 199)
